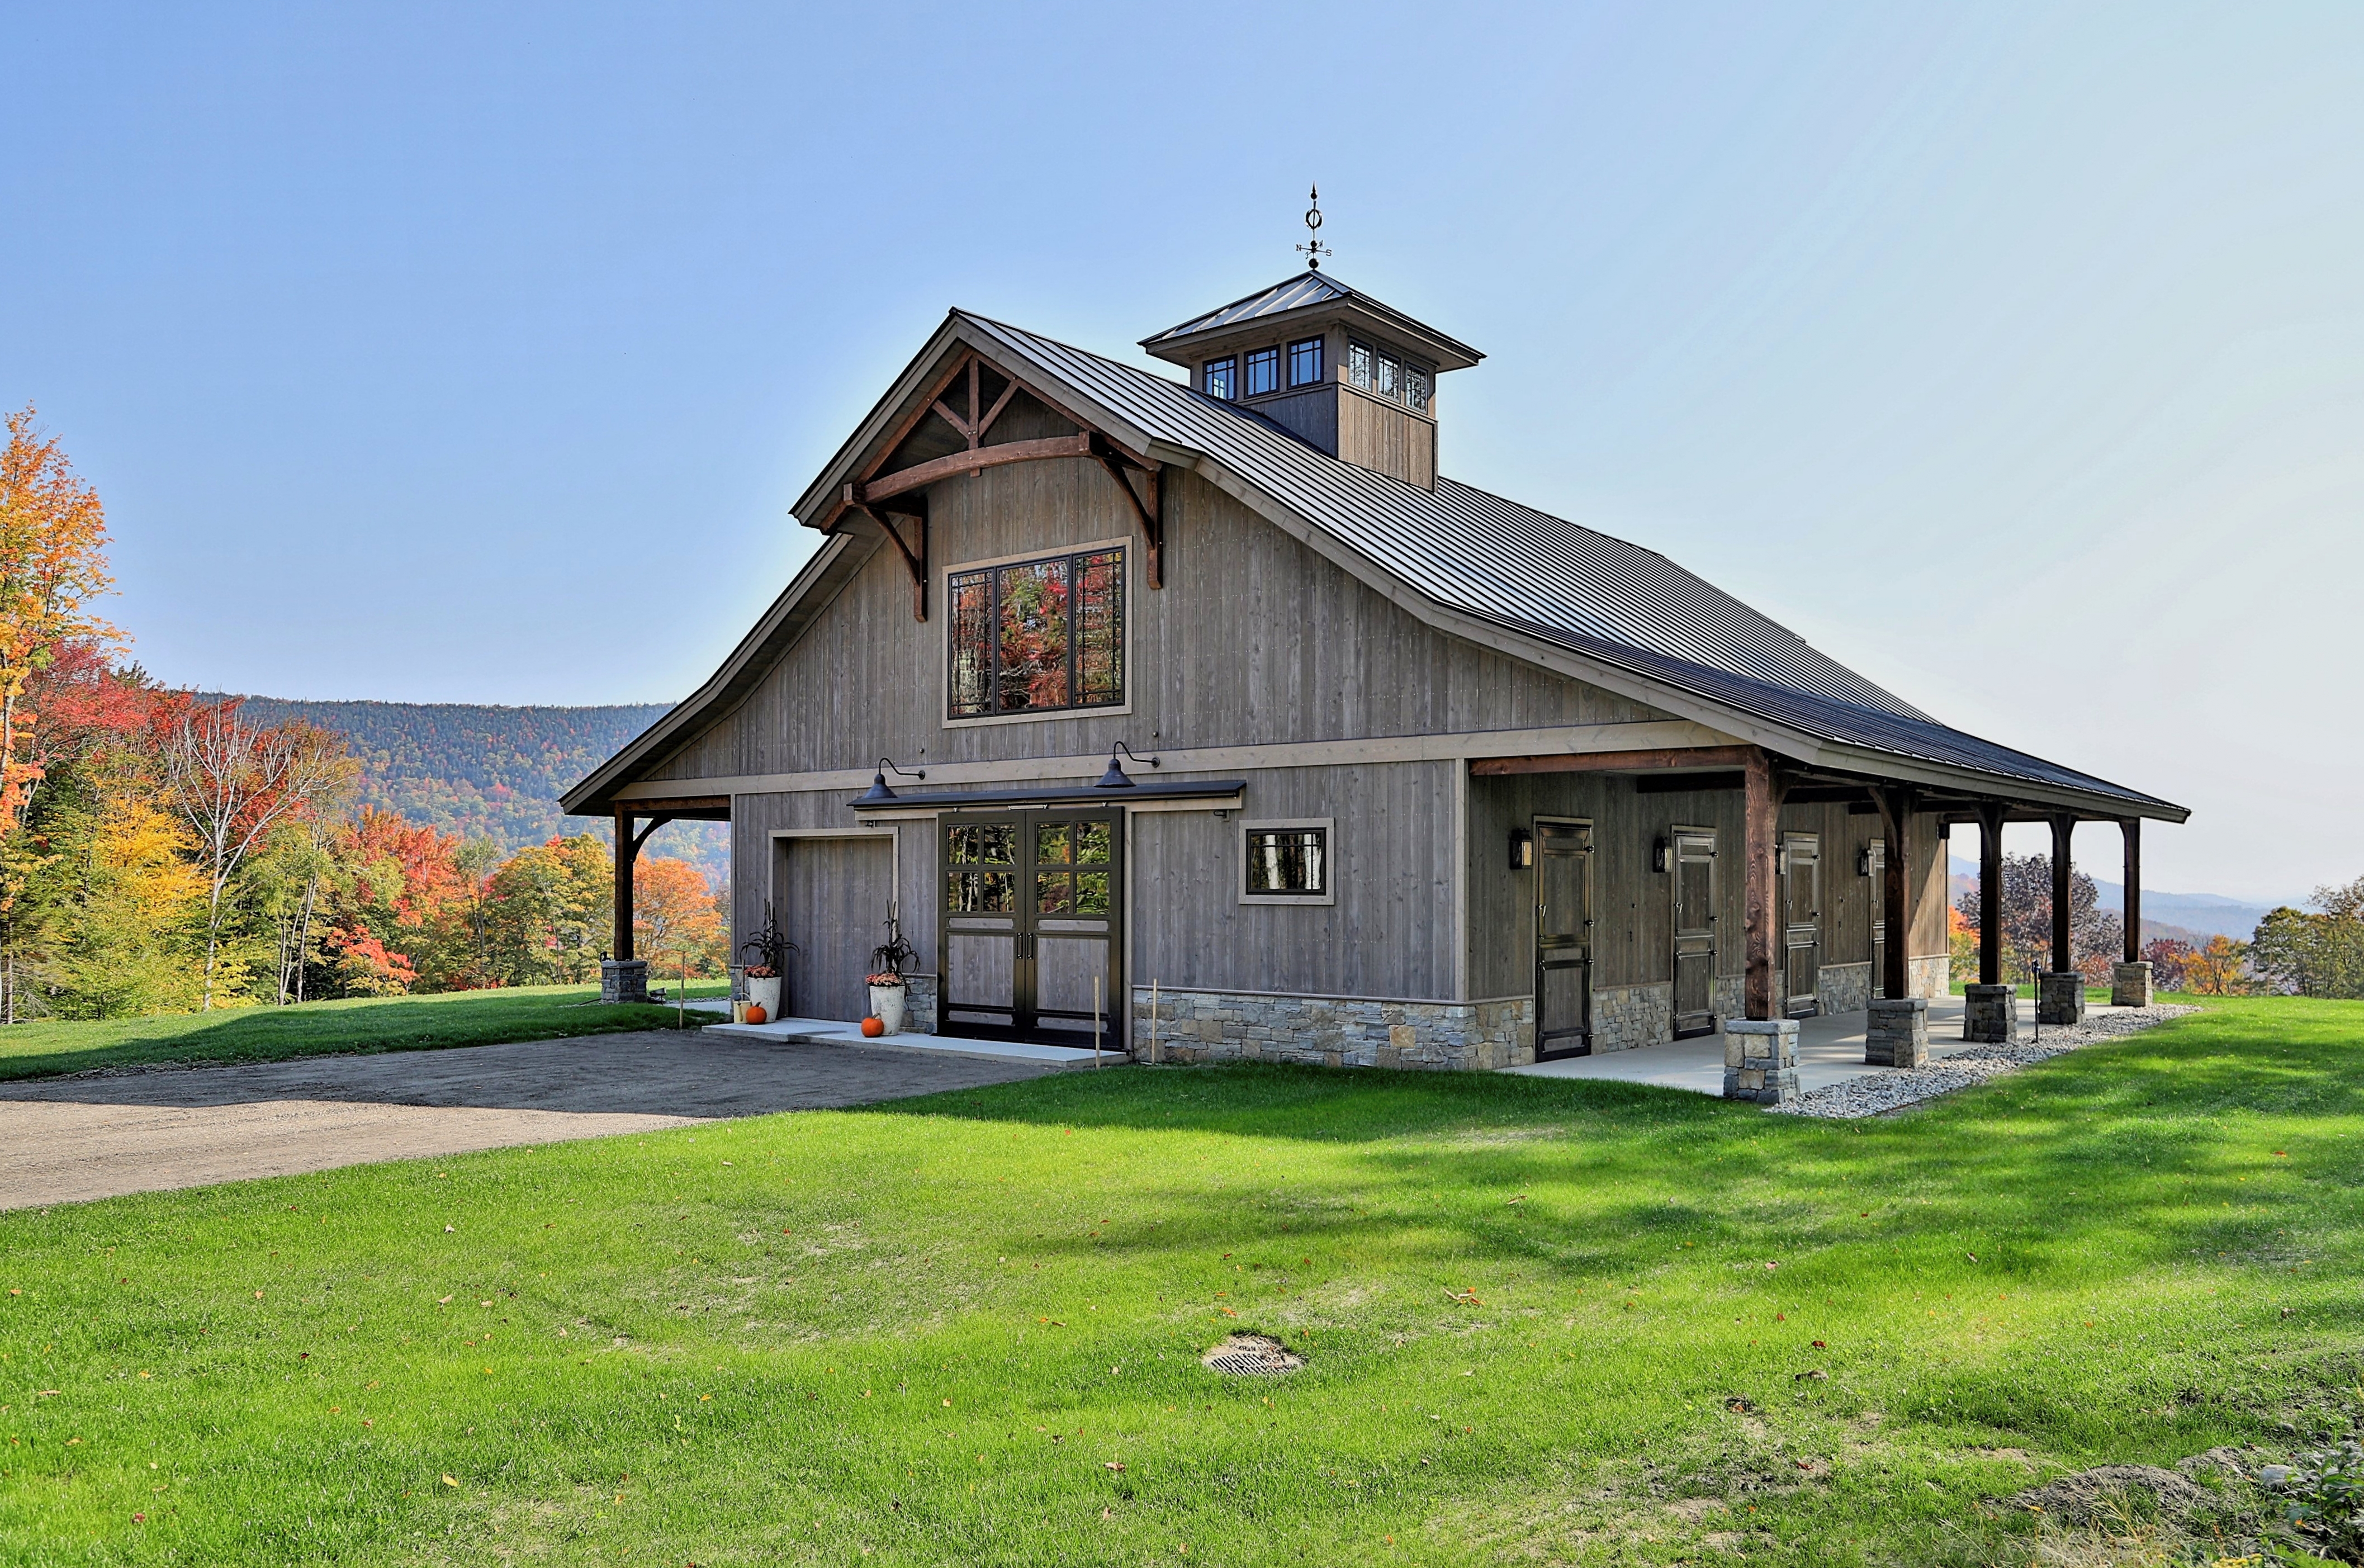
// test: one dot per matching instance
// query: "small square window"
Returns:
(1263, 371)
(1358, 365)
(1222, 379)
(1286, 862)
(1416, 387)
(1389, 374)
(1305, 361)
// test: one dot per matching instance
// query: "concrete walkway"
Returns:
(1830, 1050)
(92, 1136)
(825, 1031)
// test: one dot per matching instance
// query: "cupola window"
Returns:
(1389, 371)
(1222, 378)
(1263, 371)
(1305, 361)
(1358, 365)
(1416, 387)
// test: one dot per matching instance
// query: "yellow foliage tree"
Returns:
(674, 913)
(138, 923)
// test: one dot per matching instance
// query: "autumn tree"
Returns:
(2220, 969)
(230, 783)
(550, 910)
(674, 913)
(52, 564)
(2317, 952)
(2095, 935)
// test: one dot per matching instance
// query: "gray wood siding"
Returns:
(757, 865)
(1391, 932)
(1255, 639)
(1632, 905)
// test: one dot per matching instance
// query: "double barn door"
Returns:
(1031, 925)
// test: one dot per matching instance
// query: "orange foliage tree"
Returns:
(52, 563)
(674, 913)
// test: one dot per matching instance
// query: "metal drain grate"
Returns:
(1252, 1355)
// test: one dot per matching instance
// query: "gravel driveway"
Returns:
(98, 1135)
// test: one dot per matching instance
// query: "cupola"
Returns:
(1352, 376)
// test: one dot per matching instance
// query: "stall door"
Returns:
(835, 893)
(1802, 901)
(1694, 869)
(1878, 917)
(1031, 925)
(1563, 938)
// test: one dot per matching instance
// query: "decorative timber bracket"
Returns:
(870, 493)
(1151, 512)
(915, 557)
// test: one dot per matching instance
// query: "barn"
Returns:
(1199, 707)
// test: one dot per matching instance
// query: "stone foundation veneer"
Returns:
(919, 1004)
(623, 980)
(2061, 999)
(1990, 1014)
(1335, 1031)
(1625, 1017)
(1761, 1060)
(1843, 987)
(1896, 1033)
(2130, 986)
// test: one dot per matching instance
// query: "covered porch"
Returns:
(624, 976)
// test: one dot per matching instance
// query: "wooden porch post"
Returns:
(1990, 814)
(2131, 827)
(1896, 956)
(2062, 959)
(627, 850)
(1761, 815)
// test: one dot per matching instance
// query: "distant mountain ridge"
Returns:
(487, 771)
(2164, 913)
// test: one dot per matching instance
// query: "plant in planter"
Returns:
(765, 954)
(888, 991)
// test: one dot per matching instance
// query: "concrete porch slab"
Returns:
(1830, 1050)
(825, 1031)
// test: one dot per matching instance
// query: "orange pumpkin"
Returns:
(755, 1013)
(873, 1027)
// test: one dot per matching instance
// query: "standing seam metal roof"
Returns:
(1543, 575)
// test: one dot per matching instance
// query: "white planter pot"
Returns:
(765, 993)
(886, 1005)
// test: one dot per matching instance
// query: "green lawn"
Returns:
(319, 1028)
(933, 1332)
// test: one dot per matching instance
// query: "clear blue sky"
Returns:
(2013, 354)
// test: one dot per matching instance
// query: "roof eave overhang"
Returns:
(1379, 320)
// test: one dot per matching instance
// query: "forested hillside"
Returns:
(490, 773)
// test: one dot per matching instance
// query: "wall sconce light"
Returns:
(1863, 861)
(1523, 849)
(1660, 854)
(1115, 777)
(878, 793)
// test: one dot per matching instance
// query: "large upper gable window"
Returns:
(1037, 635)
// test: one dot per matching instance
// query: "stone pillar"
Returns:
(2130, 986)
(1898, 1033)
(2060, 999)
(1761, 1060)
(623, 980)
(1991, 1015)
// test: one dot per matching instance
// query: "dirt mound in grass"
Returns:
(2109, 1494)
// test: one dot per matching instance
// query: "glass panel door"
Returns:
(1031, 926)
(1563, 938)
(1694, 871)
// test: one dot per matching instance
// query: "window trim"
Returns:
(1320, 343)
(1274, 350)
(1231, 363)
(1326, 898)
(943, 596)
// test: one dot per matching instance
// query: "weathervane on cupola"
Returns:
(1314, 249)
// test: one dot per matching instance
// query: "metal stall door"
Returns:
(980, 925)
(1563, 938)
(1878, 917)
(1070, 965)
(1801, 911)
(1694, 869)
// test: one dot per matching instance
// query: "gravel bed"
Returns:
(1884, 1090)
